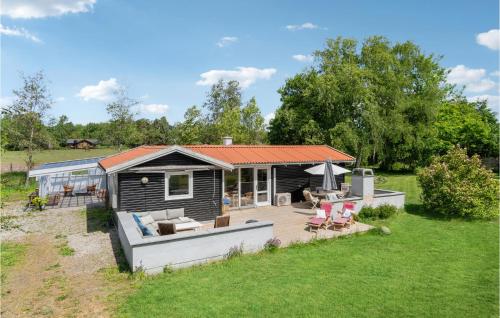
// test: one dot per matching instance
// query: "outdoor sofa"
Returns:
(147, 222)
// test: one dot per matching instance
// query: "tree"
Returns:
(189, 132)
(122, 118)
(376, 102)
(470, 125)
(32, 101)
(62, 130)
(252, 124)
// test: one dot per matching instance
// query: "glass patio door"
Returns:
(262, 186)
(247, 195)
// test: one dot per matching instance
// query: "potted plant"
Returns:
(39, 203)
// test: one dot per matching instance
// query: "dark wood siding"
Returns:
(205, 204)
(295, 179)
(173, 159)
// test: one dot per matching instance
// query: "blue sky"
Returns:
(168, 52)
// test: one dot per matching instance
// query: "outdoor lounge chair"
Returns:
(311, 199)
(166, 228)
(91, 189)
(320, 222)
(221, 221)
(340, 221)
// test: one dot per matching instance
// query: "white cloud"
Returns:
(28, 9)
(495, 73)
(103, 91)
(154, 108)
(6, 101)
(474, 80)
(246, 76)
(303, 58)
(303, 26)
(5, 30)
(268, 118)
(490, 39)
(492, 100)
(227, 40)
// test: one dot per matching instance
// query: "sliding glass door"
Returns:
(248, 186)
(263, 178)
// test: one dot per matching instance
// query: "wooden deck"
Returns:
(76, 200)
(290, 222)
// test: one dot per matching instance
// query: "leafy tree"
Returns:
(252, 124)
(376, 101)
(457, 185)
(470, 125)
(61, 130)
(122, 117)
(32, 101)
(191, 129)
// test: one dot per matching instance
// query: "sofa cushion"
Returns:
(144, 230)
(147, 219)
(152, 229)
(175, 213)
(159, 215)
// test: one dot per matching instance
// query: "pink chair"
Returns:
(340, 221)
(317, 222)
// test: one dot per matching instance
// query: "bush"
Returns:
(368, 212)
(386, 211)
(272, 244)
(456, 185)
(383, 211)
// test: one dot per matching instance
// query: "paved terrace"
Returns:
(290, 222)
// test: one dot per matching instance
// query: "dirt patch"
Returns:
(49, 283)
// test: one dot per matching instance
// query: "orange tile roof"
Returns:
(243, 154)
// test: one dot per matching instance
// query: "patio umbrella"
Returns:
(329, 182)
(320, 170)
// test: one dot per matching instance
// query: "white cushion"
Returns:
(321, 213)
(175, 213)
(147, 219)
(159, 215)
(347, 213)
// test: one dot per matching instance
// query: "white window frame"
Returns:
(178, 196)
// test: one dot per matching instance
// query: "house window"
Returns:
(178, 185)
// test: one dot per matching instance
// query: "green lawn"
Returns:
(428, 266)
(10, 255)
(18, 157)
(13, 186)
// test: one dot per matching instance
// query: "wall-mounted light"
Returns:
(144, 180)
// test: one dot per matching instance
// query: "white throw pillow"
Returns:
(321, 213)
(147, 219)
(347, 213)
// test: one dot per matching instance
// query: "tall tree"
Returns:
(32, 101)
(252, 124)
(122, 117)
(190, 131)
(376, 101)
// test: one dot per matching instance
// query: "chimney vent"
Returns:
(227, 141)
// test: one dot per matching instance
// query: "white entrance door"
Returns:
(262, 186)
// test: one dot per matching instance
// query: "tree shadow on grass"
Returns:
(419, 210)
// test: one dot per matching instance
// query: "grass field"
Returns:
(13, 186)
(10, 255)
(18, 157)
(427, 267)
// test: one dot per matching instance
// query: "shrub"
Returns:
(39, 202)
(368, 212)
(383, 211)
(386, 211)
(456, 185)
(272, 244)
(234, 251)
